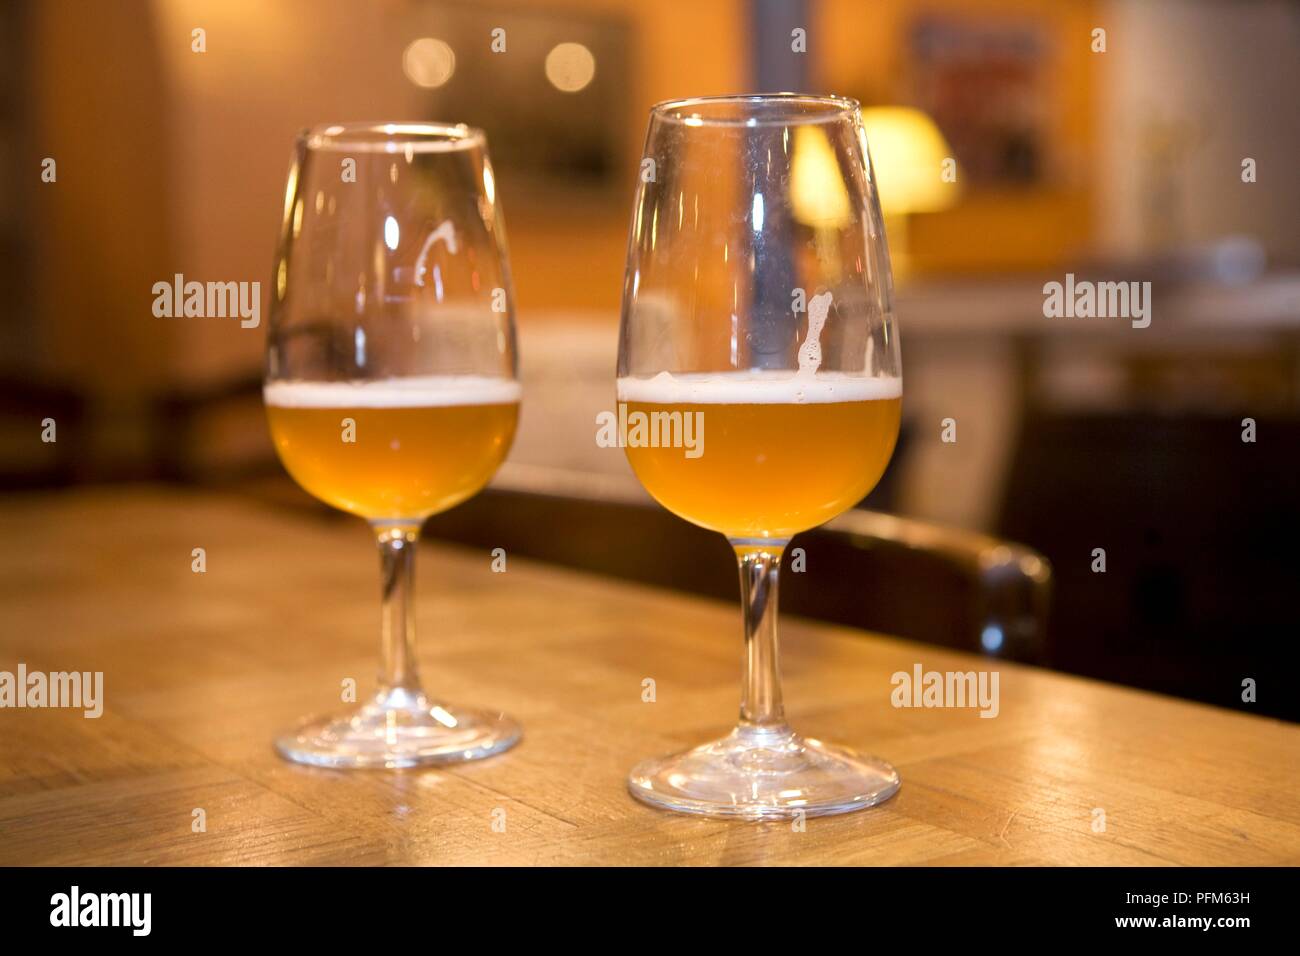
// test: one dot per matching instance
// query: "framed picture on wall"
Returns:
(983, 83)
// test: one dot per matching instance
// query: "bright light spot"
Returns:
(429, 62)
(991, 638)
(757, 214)
(443, 717)
(570, 67)
(290, 190)
(693, 120)
(489, 183)
(391, 233)
(818, 193)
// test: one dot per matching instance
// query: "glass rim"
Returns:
(392, 136)
(829, 107)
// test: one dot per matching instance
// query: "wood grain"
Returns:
(201, 669)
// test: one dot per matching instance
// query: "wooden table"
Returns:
(201, 669)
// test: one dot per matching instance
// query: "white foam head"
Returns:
(423, 391)
(758, 387)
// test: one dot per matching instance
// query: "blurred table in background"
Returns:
(201, 669)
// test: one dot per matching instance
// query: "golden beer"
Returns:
(398, 448)
(781, 453)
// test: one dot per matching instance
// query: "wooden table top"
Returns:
(201, 669)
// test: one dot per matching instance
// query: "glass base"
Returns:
(764, 775)
(399, 729)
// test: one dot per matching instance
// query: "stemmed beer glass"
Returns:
(391, 387)
(757, 323)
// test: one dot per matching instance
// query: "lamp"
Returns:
(907, 154)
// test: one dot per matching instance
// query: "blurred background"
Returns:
(1072, 435)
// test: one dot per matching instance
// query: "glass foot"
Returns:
(764, 775)
(399, 729)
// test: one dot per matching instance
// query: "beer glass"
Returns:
(759, 373)
(390, 388)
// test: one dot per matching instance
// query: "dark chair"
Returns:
(864, 569)
(212, 435)
(27, 461)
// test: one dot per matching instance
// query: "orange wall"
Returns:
(101, 230)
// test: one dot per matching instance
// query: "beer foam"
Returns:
(422, 391)
(757, 387)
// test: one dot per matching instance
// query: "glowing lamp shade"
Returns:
(817, 193)
(907, 154)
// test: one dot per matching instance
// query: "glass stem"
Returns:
(761, 710)
(399, 677)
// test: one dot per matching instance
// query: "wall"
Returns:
(102, 232)
(1218, 82)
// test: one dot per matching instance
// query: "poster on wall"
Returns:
(983, 83)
